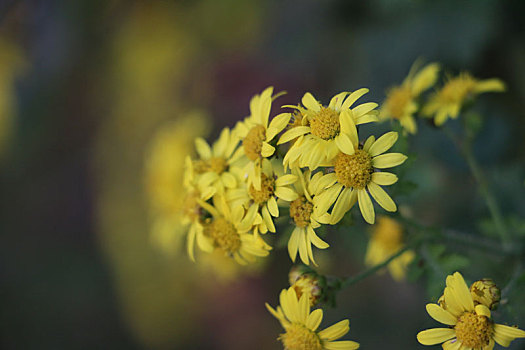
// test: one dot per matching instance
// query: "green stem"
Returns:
(466, 151)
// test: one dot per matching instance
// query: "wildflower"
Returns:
(401, 101)
(447, 102)
(310, 284)
(387, 239)
(485, 292)
(327, 130)
(355, 177)
(306, 217)
(262, 204)
(256, 134)
(301, 325)
(214, 164)
(223, 231)
(471, 326)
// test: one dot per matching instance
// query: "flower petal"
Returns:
(203, 149)
(383, 144)
(366, 206)
(267, 150)
(335, 331)
(441, 315)
(341, 345)
(354, 96)
(310, 102)
(314, 319)
(293, 133)
(342, 206)
(277, 124)
(381, 197)
(388, 160)
(384, 178)
(344, 144)
(435, 335)
(286, 193)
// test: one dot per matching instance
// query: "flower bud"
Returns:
(297, 271)
(485, 292)
(312, 284)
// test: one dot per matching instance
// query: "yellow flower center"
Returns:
(298, 337)
(300, 211)
(457, 89)
(215, 164)
(398, 99)
(354, 170)
(473, 331)
(325, 124)
(267, 190)
(224, 235)
(253, 142)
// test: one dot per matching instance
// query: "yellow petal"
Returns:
(342, 206)
(314, 319)
(203, 149)
(293, 243)
(314, 238)
(369, 142)
(341, 345)
(366, 206)
(388, 160)
(482, 310)
(381, 197)
(272, 207)
(293, 133)
(344, 144)
(284, 180)
(337, 101)
(354, 96)
(435, 335)
(267, 150)
(384, 178)
(489, 85)
(286, 194)
(363, 109)
(441, 315)
(277, 124)
(425, 78)
(335, 331)
(383, 144)
(461, 291)
(452, 344)
(310, 102)
(509, 332)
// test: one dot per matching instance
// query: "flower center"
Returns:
(398, 99)
(300, 211)
(215, 164)
(298, 337)
(267, 189)
(325, 124)
(224, 235)
(457, 89)
(354, 170)
(253, 141)
(473, 331)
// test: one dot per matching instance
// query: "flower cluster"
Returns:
(237, 186)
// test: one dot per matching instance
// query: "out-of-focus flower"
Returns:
(164, 173)
(262, 204)
(485, 292)
(401, 101)
(386, 240)
(325, 131)
(356, 179)
(471, 326)
(306, 217)
(447, 102)
(256, 132)
(301, 325)
(12, 66)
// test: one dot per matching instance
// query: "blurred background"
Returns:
(87, 87)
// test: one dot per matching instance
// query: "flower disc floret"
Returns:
(253, 142)
(298, 337)
(354, 170)
(474, 331)
(224, 235)
(301, 210)
(267, 189)
(325, 124)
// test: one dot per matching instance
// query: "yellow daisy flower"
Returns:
(387, 239)
(470, 325)
(328, 128)
(306, 217)
(262, 204)
(401, 102)
(447, 102)
(301, 325)
(256, 133)
(212, 169)
(223, 232)
(355, 177)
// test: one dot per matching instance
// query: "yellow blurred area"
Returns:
(138, 163)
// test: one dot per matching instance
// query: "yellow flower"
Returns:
(401, 102)
(355, 177)
(262, 204)
(447, 102)
(213, 167)
(301, 325)
(327, 130)
(486, 292)
(387, 239)
(256, 134)
(470, 325)
(306, 217)
(223, 232)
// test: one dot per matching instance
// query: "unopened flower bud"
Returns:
(297, 271)
(485, 292)
(312, 284)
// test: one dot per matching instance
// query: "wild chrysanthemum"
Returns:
(447, 102)
(326, 130)
(355, 177)
(386, 240)
(262, 204)
(306, 217)
(401, 101)
(256, 133)
(212, 169)
(470, 325)
(301, 325)
(222, 231)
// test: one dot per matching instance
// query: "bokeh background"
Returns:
(86, 85)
